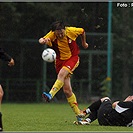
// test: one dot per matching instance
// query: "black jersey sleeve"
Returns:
(126, 104)
(125, 108)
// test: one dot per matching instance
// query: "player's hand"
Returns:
(129, 98)
(85, 45)
(115, 103)
(11, 63)
(44, 40)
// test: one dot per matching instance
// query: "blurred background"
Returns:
(23, 23)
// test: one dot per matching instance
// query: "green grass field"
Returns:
(47, 117)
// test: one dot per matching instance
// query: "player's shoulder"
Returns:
(50, 34)
(72, 28)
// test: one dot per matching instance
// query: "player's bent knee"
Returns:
(102, 99)
(67, 92)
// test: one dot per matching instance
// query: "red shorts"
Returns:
(71, 64)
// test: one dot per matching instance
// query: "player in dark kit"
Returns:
(5, 57)
(120, 113)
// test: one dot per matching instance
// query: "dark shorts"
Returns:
(104, 112)
(108, 116)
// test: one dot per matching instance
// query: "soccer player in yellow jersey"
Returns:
(63, 40)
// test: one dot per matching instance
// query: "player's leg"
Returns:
(63, 68)
(57, 85)
(59, 82)
(1, 96)
(70, 65)
(91, 113)
(96, 110)
(71, 98)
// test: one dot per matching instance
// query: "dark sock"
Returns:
(94, 109)
(95, 106)
(1, 126)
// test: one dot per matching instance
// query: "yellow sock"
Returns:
(73, 104)
(56, 87)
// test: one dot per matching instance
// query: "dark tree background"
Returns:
(31, 20)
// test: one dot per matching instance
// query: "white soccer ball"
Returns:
(48, 55)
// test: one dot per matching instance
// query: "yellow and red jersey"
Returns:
(66, 47)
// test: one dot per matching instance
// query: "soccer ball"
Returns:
(48, 55)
